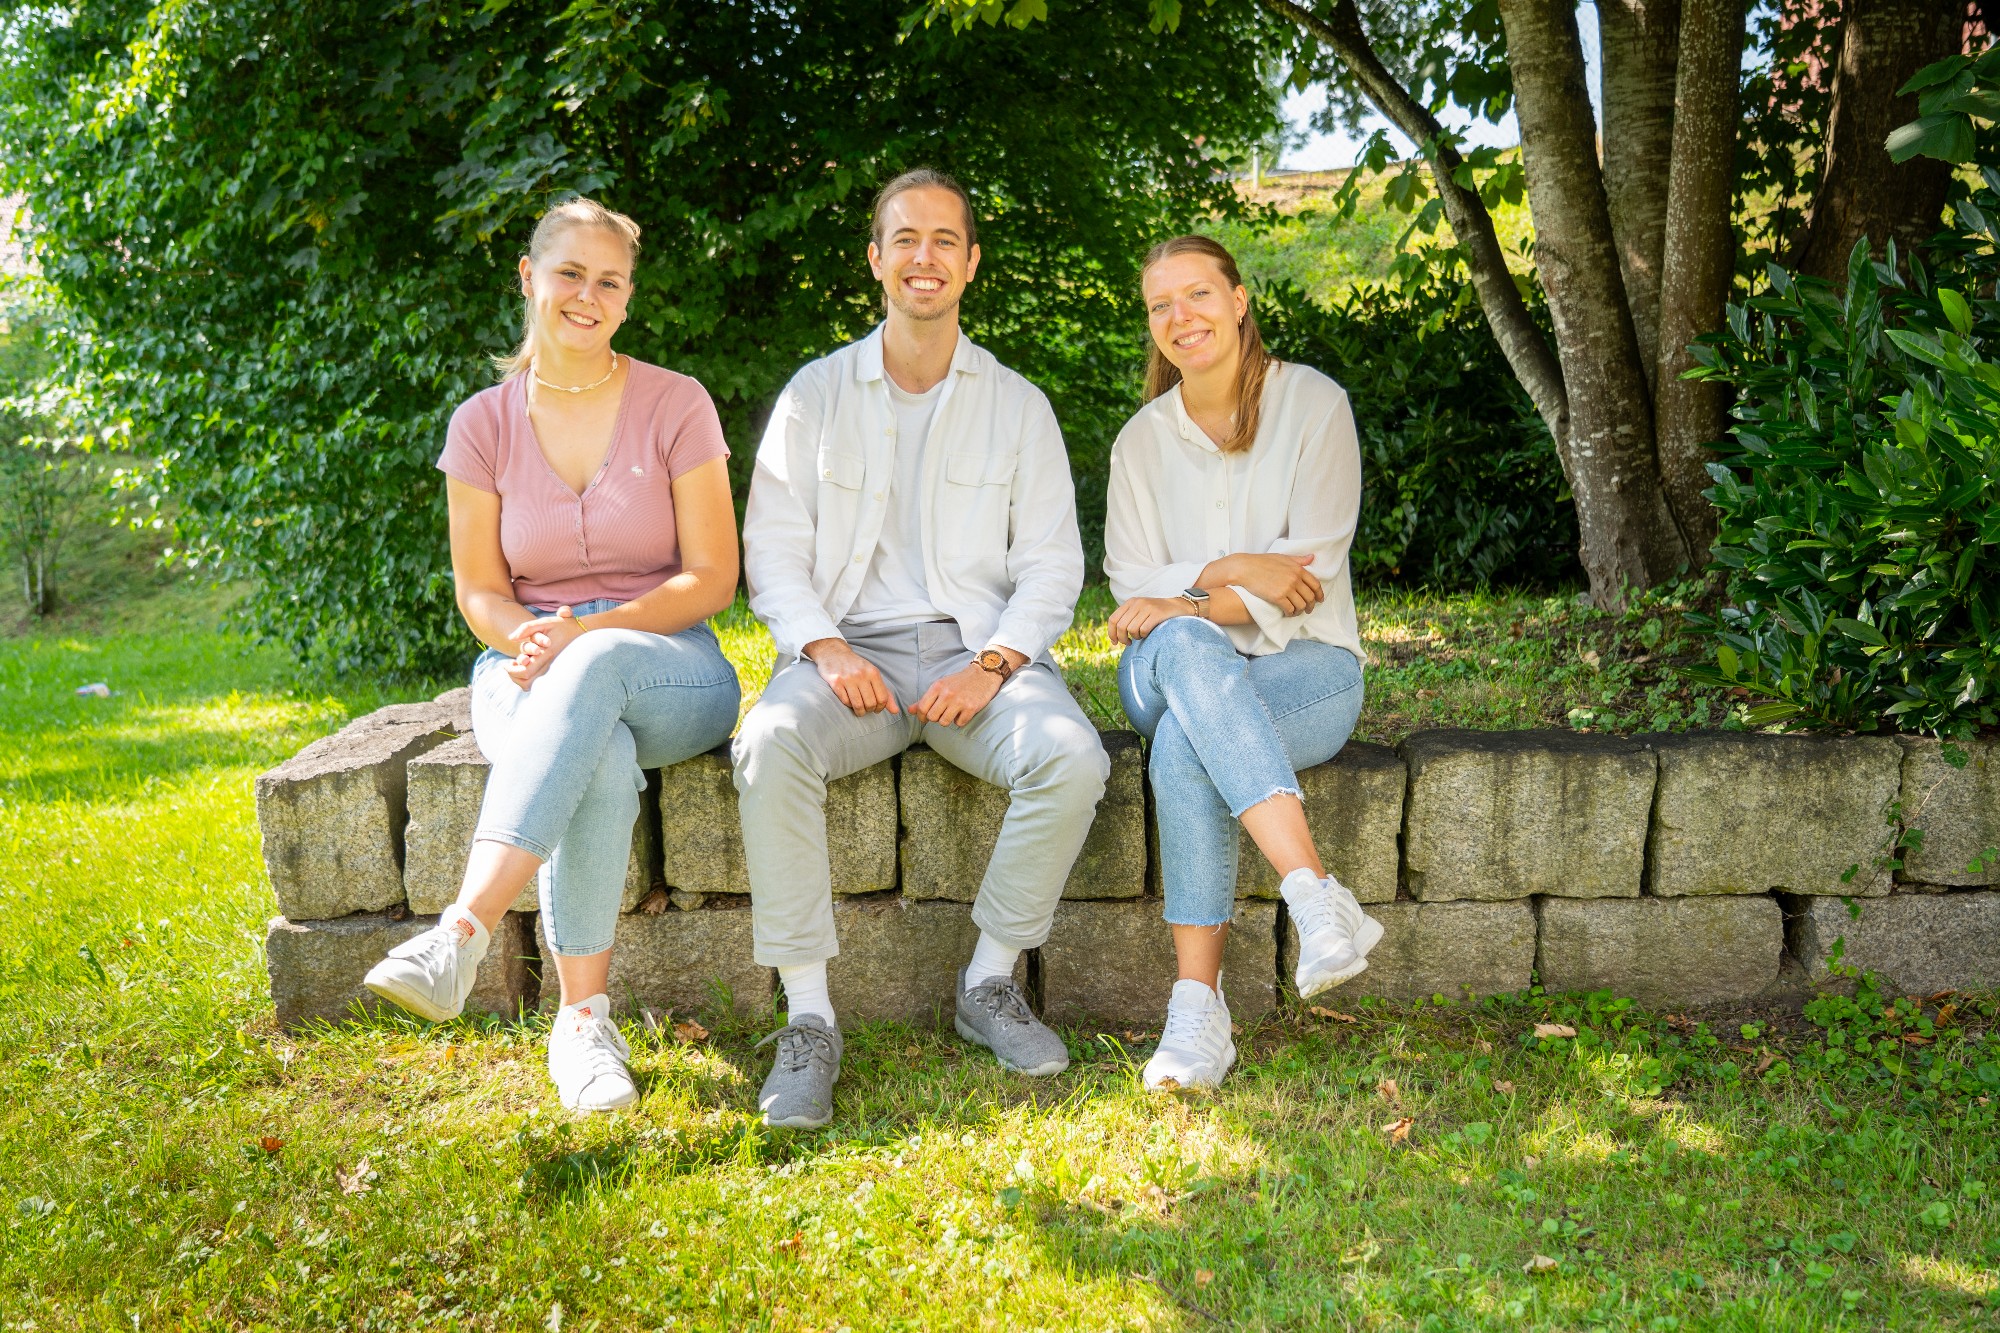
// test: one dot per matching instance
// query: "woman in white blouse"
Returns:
(1234, 496)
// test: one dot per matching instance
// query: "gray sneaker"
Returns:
(995, 1014)
(799, 1092)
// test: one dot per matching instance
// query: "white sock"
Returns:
(598, 1005)
(805, 991)
(472, 932)
(991, 961)
(1298, 884)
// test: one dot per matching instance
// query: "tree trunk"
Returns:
(1628, 532)
(1527, 352)
(1638, 42)
(1700, 258)
(1861, 192)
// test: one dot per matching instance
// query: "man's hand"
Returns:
(540, 640)
(1142, 615)
(956, 699)
(1282, 580)
(852, 677)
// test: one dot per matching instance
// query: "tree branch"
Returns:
(1527, 352)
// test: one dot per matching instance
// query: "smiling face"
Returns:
(922, 259)
(1195, 315)
(578, 290)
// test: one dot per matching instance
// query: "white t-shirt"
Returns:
(893, 592)
(1177, 502)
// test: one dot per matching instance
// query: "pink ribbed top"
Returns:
(618, 538)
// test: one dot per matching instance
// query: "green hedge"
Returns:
(1860, 493)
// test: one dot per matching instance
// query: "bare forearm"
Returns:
(1226, 608)
(493, 616)
(688, 598)
(1221, 572)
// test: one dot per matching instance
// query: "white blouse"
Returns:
(1177, 502)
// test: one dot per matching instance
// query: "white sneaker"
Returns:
(1196, 1050)
(1335, 935)
(431, 974)
(587, 1056)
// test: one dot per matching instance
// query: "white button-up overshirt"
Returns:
(1001, 554)
(1177, 502)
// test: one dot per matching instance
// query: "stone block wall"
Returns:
(1679, 870)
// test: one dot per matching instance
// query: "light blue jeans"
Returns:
(1226, 732)
(568, 755)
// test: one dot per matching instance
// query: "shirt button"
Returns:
(827, 473)
(857, 559)
(1218, 504)
(878, 495)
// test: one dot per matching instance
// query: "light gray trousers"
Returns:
(1032, 740)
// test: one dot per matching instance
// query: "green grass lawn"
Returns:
(169, 1160)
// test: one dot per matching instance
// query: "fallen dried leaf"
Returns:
(1530, 1163)
(1915, 1039)
(270, 1143)
(1503, 1086)
(913, 1051)
(358, 1181)
(1483, 1046)
(794, 1242)
(1203, 1276)
(1540, 1263)
(690, 1031)
(654, 903)
(1765, 1063)
(1386, 1089)
(1945, 1014)
(1321, 1011)
(450, 1053)
(1398, 1129)
(1546, 1030)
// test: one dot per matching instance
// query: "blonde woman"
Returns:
(592, 536)
(1234, 496)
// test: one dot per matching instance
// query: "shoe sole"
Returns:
(403, 997)
(618, 1105)
(1367, 938)
(1037, 1071)
(1179, 1086)
(799, 1122)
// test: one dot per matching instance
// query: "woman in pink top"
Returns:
(592, 536)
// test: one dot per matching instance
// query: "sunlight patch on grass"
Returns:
(1950, 1274)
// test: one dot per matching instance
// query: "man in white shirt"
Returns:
(911, 542)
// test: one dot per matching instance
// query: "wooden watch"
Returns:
(992, 659)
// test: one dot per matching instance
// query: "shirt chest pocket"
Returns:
(842, 471)
(978, 490)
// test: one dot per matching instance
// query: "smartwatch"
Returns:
(1198, 599)
(992, 659)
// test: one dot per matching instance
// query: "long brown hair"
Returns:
(1254, 360)
(575, 211)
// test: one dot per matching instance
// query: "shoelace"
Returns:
(1184, 1025)
(600, 1046)
(799, 1045)
(1003, 1000)
(439, 953)
(1319, 912)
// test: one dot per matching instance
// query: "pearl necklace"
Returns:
(575, 388)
